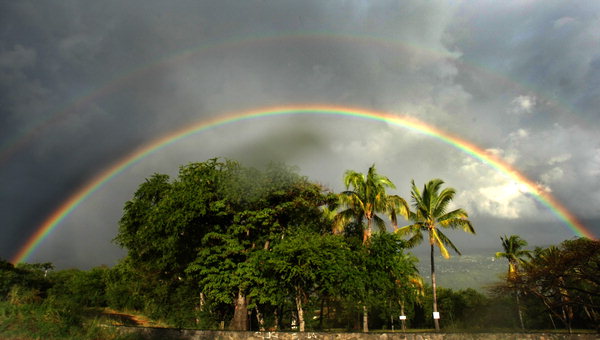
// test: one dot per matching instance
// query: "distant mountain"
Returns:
(476, 269)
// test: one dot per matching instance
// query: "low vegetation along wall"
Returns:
(165, 333)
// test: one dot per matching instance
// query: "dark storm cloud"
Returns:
(99, 79)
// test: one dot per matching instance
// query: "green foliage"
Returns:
(27, 316)
(124, 287)
(513, 252)
(204, 228)
(430, 215)
(224, 242)
(9, 277)
(566, 279)
(366, 199)
(391, 278)
(85, 288)
(309, 263)
(26, 276)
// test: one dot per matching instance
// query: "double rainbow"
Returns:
(476, 152)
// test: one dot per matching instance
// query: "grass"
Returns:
(45, 320)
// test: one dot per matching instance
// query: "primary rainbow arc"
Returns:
(403, 121)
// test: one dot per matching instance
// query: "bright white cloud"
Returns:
(494, 194)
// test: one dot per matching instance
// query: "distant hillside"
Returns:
(474, 269)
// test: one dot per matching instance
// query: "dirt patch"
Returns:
(117, 318)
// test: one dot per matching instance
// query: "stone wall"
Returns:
(187, 334)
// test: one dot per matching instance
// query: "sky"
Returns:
(84, 84)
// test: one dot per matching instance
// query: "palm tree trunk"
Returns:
(366, 236)
(433, 285)
(367, 232)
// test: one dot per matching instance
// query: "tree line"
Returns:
(555, 284)
(227, 246)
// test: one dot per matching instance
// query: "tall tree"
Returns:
(429, 216)
(367, 198)
(515, 254)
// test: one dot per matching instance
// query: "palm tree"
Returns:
(366, 199)
(515, 254)
(429, 215)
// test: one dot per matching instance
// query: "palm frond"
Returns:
(437, 240)
(446, 241)
(442, 201)
(354, 179)
(416, 196)
(457, 219)
(414, 231)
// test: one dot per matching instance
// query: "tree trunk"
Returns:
(433, 285)
(366, 236)
(367, 232)
(512, 275)
(365, 319)
(519, 311)
(300, 310)
(201, 304)
(321, 313)
(403, 321)
(552, 320)
(261, 320)
(240, 314)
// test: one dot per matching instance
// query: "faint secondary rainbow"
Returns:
(124, 78)
(327, 110)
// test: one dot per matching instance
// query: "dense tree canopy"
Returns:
(257, 240)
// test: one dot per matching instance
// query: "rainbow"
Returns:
(403, 121)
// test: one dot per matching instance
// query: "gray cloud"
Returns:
(89, 84)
